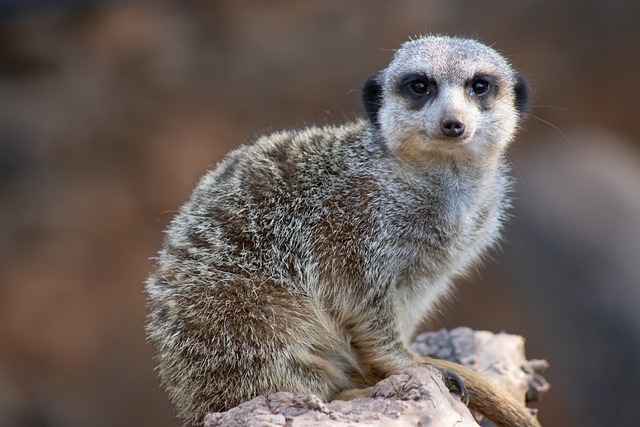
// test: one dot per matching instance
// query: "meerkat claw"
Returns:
(455, 383)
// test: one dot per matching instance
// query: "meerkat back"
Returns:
(237, 303)
(304, 261)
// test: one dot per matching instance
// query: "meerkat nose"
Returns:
(452, 127)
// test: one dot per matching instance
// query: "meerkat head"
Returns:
(445, 95)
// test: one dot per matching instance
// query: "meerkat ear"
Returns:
(521, 91)
(372, 98)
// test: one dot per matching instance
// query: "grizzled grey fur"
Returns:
(305, 261)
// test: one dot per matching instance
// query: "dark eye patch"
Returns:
(417, 90)
(481, 85)
(417, 86)
(484, 88)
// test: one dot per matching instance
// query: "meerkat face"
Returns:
(445, 95)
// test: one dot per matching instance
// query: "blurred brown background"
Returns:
(110, 111)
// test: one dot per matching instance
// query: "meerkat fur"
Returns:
(305, 260)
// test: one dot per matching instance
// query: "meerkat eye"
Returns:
(419, 87)
(480, 86)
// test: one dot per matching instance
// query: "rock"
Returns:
(414, 396)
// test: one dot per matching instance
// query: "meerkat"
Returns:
(305, 260)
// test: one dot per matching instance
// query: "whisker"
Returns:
(555, 107)
(552, 125)
(513, 166)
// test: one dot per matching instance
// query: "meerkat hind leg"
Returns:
(353, 393)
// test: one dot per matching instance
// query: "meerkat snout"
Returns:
(455, 115)
(452, 127)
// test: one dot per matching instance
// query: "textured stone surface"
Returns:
(415, 396)
(412, 397)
